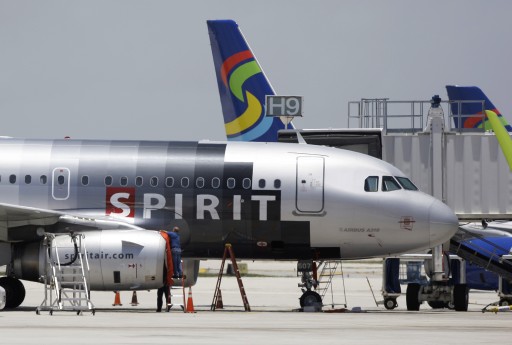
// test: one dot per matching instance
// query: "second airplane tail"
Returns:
(472, 93)
(242, 85)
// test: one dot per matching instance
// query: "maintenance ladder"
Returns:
(66, 287)
(217, 297)
(173, 297)
(325, 277)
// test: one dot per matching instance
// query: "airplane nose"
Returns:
(443, 223)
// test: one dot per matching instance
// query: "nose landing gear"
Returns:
(307, 270)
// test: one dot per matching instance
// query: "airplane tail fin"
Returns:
(242, 85)
(472, 93)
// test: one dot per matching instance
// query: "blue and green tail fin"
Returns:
(472, 93)
(242, 85)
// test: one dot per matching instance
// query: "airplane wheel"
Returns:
(437, 304)
(14, 291)
(504, 302)
(310, 298)
(390, 303)
(460, 297)
(412, 296)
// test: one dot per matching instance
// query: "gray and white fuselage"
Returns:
(270, 200)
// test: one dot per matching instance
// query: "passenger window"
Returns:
(215, 182)
(108, 180)
(246, 183)
(277, 183)
(371, 184)
(185, 182)
(85, 180)
(389, 184)
(154, 181)
(200, 182)
(231, 183)
(60, 180)
(139, 181)
(124, 181)
(12, 179)
(406, 183)
(261, 183)
(28, 179)
(169, 182)
(43, 179)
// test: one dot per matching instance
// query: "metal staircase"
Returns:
(489, 256)
(66, 287)
(327, 272)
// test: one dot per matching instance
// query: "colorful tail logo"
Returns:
(472, 93)
(242, 85)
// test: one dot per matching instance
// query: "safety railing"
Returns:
(410, 116)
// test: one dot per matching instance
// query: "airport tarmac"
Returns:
(273, 319)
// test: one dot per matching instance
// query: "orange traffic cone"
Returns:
(134, 299)
(219, 304)
(190, 303)
(117, 299)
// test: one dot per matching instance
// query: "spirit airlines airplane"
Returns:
(270, 200)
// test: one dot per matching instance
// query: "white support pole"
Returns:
(436, 122)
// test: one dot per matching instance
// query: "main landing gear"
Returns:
(14, 291)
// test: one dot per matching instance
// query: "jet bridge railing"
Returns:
(408, 116)
(484, 253)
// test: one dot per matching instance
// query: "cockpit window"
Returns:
(371, 184)
(406, 183)
(389, 184)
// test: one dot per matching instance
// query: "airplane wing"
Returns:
(19, 223)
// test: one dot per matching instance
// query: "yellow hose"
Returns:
(502, 135)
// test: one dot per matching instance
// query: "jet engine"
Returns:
(118, 259)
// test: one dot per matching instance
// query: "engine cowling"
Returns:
(118, 259)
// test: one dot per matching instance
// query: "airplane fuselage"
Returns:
(270, 200)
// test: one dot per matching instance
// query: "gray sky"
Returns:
(144, 70)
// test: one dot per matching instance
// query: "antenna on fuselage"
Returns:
(300, 139)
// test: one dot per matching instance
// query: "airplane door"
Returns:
(310, 184)
(60, 183)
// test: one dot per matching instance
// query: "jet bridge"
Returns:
(464, 168)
